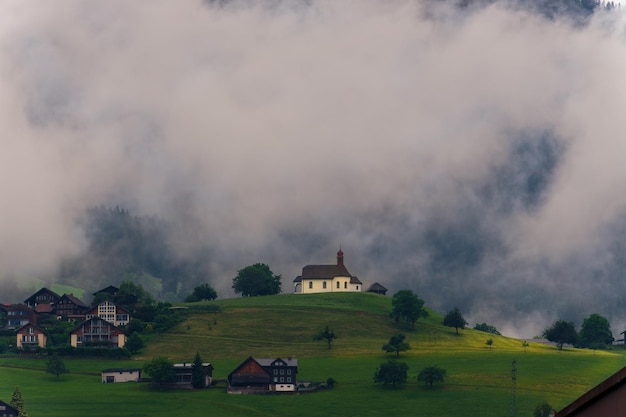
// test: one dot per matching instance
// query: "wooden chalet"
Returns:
(30, 337)
(97, 332)
(6, 410)
(70, 308)
(376, 288)
(264, 375)
(43, 296)
(607, 399)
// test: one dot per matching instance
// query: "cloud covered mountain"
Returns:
(469, 153)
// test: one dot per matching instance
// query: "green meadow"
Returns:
(478, 382)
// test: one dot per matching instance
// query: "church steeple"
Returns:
(340, 257)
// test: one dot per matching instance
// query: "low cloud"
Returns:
(472, 155)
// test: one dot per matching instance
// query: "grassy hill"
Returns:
(478, 383)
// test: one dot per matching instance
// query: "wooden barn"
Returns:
(264, 375)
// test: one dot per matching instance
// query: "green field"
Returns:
(478, 382)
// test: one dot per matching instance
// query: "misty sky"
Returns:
(474, 156)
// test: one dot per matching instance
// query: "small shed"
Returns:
(184, 374)
(377, 289)
(113, 375)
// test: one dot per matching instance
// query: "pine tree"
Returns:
(17, 402)
(198, 376)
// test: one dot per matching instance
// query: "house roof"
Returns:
(110, 289)
(43, 290)
(82, 323)
(122, 370)
(9, 410)
(18, 307)
(269, 361)
(595, 394)
(324, 271)
(74, 300)
(190, 365)
(29, 325)
(249, 371)
(376, 287)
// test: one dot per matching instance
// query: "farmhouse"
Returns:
(30, 337)
(97, 332)
(327, 278)
(7, 411)
(264, 375)
(607, 399)
(113, 375)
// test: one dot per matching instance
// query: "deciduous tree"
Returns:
(391, 372)
(407, 306)
(455, 319)
(431, 374)
(257, 279)
(484, 327)
(55, 366)
(161, 370)
(595, 332)
(543, 409)
(201, 293)
(326, 335)
(561, 332)
(134, 343)
(397, 344)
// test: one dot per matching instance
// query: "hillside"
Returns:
(284, 325)
(478, 381)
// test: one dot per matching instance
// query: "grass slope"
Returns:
(478, 383)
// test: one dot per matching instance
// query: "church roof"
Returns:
(324, 271)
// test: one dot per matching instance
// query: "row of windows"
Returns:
(282, 379)
(30, 339)
(345, 284)
(282, 372)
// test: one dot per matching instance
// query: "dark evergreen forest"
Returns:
(125, 247)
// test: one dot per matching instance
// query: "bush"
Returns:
(542, 409)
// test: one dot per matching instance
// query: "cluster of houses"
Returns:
(97, 325)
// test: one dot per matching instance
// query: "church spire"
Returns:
(340, 257)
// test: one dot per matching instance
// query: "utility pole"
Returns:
(513, 388)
